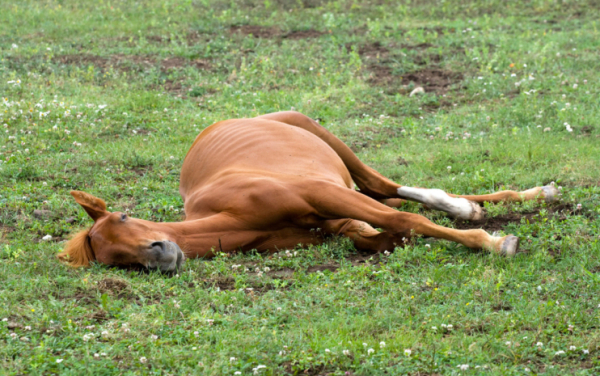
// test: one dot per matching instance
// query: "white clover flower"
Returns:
(143, 359)
(370, 351)
(578, 206)
(586, 352)
(47, 237)
(507, 343)
(232, 359)
(572, 348)
(258, 368)
(96, 355)
(105, 333)
(434, 328)
(382, 344)
(14, 46)
(237, 373)
(407, 352)
(539, 344)
(539, 288)
(463, 367)
(59, 360)
(449, 168)
(327, 350)
(27, 327)
(154, 337)
(346, 352)
(559, 353)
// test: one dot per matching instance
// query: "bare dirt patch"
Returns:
(433, 80)
(132, 62)
(372, 51)
(303, 34)
(181, 62)
(378, 59)
(418, 47)
(274, 32)
(499, 222)
(5, 230)
(257, 31)
(98, 316)
(112, 286)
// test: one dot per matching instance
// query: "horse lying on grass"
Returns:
(274, 182)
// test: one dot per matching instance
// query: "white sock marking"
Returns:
(439, 200)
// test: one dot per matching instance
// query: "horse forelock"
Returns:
(78, 251)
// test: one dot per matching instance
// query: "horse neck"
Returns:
(196, 238)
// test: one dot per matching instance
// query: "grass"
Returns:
(107, 97)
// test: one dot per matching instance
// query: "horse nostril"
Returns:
(161, 245)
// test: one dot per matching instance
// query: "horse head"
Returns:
(119, 240)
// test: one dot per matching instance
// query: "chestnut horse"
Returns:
(275, 182)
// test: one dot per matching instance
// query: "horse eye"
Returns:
(123, 217)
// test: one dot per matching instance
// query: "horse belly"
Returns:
(260, 147)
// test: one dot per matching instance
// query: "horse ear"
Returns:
(94, 206)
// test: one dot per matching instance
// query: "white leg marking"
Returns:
(459, 208)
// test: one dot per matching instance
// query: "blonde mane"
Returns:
(78, 251)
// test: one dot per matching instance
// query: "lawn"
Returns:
(107, 96)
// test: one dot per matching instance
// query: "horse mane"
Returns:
(78, 251)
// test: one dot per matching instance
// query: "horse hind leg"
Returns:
(331, 201)
(466, 207)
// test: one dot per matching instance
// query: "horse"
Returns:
(275, 182)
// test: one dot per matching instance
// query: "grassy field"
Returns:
(107, 96)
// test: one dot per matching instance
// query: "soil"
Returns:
(257, 31)
(112, 286)
(274, 32)
(421, 46)
(372, 50)
(501, 221)
(98, 316)
(258, 285)
(303, 34)
(181, 62)
(132, 62)
(433, 80)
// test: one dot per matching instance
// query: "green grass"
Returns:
(134, 82)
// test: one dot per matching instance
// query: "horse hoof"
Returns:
(478, 213)
(551, 193)
(509, 246)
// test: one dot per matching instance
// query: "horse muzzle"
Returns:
(165, 255)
